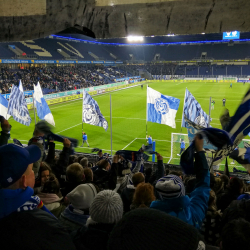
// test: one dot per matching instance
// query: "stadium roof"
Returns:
(30, 19)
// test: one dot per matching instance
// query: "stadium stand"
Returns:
(93, 201)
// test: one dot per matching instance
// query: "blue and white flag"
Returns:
(193, 112)
(20, 86)
(238, 128)
(41, 105)
(4, 107)
(161, 108)
(91, 113)
(18, 107)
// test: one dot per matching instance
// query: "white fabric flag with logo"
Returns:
(161, 108)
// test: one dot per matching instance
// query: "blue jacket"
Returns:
(11, 200)
(84, 137)
(182, 144)
(150, 141)
(190, 209)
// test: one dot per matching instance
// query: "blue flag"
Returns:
(4, 107)
(193, 112)
(91, 113)
(238, 128)
(161, 108)
(41, 105)
(18, 107)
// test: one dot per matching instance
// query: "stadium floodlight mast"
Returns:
(135, 38)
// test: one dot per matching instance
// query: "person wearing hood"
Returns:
(25, 222)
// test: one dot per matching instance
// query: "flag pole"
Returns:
(147, 112)
(34, 108)
(111, 125)
(209, 111)
(183, 109)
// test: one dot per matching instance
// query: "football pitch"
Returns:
(129, 116)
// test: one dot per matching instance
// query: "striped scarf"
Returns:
(33, 203)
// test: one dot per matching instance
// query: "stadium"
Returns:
(120, 107)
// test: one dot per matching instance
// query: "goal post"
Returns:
(176, 146)
(175, 150)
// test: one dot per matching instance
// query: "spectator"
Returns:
(128, 192)
(23, 217)
(50, 196)
(149, 229)
(171, 191)
(143, 196)
(43, 176)
(84, 162)
(105, 211)
(211, 223)
(235, 235)
(105, 177)
(74, 177)
(77, 213)
(125, 174)
(148, 173)
(232, 192)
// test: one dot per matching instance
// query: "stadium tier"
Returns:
(84, 49)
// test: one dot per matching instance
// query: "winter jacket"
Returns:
(190, 209)
(53, 203)
(33, 229)
(93, 237)
(211, 226)
(224, 200)
(127, 197)
(237, 209)
(106, 179)
(73, 218)
(4, 138)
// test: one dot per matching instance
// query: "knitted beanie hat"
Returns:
(107, 207)
(148, 229)
(170, 186)
(82, 196)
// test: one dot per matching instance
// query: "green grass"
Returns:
(129, 116)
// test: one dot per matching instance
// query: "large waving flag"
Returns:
(238, 128)
(91, 113)
(161, 108)
(41, 105)
(193, 112)
(18, 107)
(4, 107)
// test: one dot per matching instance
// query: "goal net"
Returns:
(176, 147)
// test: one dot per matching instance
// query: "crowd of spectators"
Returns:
(50, 201)
(58, 78)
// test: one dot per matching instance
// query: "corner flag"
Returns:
(91, 113)
(18, 107)
(41, 105)
(161, 108)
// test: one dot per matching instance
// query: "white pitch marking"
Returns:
(129, 144)
(69, 128)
